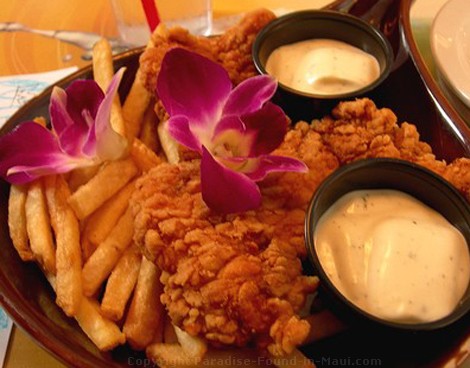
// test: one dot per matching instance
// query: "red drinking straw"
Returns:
(151, 13)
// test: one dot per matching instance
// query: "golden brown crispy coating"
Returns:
(359, 130)
(232, 49)
(458, 173)
(237, 279)
(232, 279)
(163, 40)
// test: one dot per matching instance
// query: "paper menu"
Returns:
(16, 90)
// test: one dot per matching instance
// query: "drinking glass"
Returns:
(194, 15)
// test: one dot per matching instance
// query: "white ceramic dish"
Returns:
(450, 46)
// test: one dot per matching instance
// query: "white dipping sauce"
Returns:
(323, 66)
(393, 256)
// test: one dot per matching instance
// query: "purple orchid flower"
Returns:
(234, 130)
(82, 135)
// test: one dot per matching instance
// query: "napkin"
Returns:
(15, 91)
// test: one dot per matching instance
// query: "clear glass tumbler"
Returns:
(194, 15)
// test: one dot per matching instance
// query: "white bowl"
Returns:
(450, 46)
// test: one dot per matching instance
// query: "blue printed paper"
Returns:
(5, 330)
(16, 90)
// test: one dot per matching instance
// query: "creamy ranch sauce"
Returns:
(393, 256)
(323, 66)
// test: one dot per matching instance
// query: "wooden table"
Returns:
(27, 53)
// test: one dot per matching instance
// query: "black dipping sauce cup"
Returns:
(400, 175)
(320, 24)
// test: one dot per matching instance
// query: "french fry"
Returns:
(121, 283)
(41, 120)
(51, 279)
(68, 250)
(39, 227)
(193, 346)
(148, 132)
(49, 185)
(88, 248)
(80, 176)
(324, 324)
(100, 223)
(103, 71)
(169, 145)
(145, 316)
(188, 352)
(143, 156)
(17, 221)
(104, 333)
(135, 105)
(102, 186)
(102, 261)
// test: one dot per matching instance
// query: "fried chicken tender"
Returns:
(232, 279)
(357, 130)
(165, 39)
(237, 279)
(232, 49)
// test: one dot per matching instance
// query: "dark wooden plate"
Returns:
(29, 300)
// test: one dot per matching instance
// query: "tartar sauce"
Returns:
(323, 66)
(393, 256)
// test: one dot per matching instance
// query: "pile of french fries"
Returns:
(79, 229)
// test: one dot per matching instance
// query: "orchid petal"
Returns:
(179, 129)
(231, 138)
(66, 111)
(83, 95)
(250, 95)
(21, 164)
(224, 190)
(229, 122)
(109, 144)
(82, 135)
(191, 85)
(269, 126)
(68, 131)
(255, 134)
(53, 164)
(271, 163)
(104, 110)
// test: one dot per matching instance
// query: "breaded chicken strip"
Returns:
(359, 130)
(232, 49)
